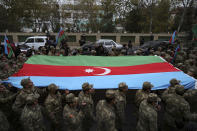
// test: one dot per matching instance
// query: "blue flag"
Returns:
(176, 50)
(5, 45)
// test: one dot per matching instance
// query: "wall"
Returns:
(73, 38)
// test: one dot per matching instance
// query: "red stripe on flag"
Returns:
(170, 41)
(74, 71)
(61, 33)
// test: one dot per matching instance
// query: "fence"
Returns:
(73, 38)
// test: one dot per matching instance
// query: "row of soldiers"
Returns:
(11, 66)
(177, 112)
(67, 112)
(77, 114)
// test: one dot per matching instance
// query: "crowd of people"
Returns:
(32, 108)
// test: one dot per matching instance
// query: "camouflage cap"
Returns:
(25, 81)
(93, 51)
(163, 53)
(179, 89)
(52, 87)
(43, 48)
(70, 97)
(174, 82)
(152, 97)
(57, 48)
(110, 94)
(122, 85)
(86, 86)
(52, 47)
(1, 85)
(191, 70)
(147, 85)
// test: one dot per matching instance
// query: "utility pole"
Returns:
(60, 12)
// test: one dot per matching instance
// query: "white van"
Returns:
(36, 41)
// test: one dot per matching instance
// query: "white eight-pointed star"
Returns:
(89, 70)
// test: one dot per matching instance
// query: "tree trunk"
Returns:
(151, 20)
(188, 5)
(182, 19)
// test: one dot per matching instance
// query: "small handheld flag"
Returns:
(173, 38)
(5, 45)
(8, 49)
(175, 53)
(60, 37)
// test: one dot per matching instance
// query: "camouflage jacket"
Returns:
(191, 97)
(20, 101)
(120, 108)
(169, 90)
(105, 116)
(147, 117)
(72, 118)
(53, 105)
(6, 100)
(32, 118)
(89, 107)
(3, 75)
(140, 96)
(178, 109)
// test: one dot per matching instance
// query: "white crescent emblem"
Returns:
(107, 71)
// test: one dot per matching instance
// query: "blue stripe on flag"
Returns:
(159, 80)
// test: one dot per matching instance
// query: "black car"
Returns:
(90, 45)
(154, 44)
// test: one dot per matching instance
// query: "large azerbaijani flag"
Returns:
(70, 72)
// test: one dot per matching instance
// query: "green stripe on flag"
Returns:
(10, 53)
(104, 61)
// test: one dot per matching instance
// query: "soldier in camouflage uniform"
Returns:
(5, 99)
(105, 113)
(4, 124)
(52, 51)
(66, 92)
(143, 93)
(71, 116)
(87, 105)
(31, 116)
(4, 74)
(53, 105)
(14, 68)
(191, 97)
(20, 61)
(57, 51)
(28, 88)
(171, 88)
(148, 114)
(5, 93)
(121, 104)
(177, 110)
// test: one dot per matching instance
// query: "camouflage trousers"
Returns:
(4, 124)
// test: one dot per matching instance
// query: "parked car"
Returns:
(36, 41)
(154, 44)
(24, 48)
(106, 43)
